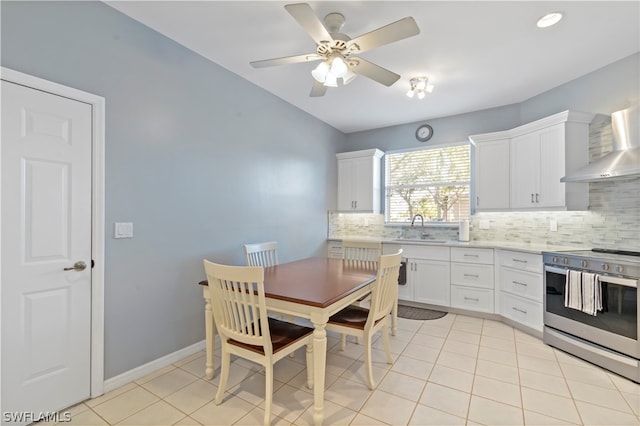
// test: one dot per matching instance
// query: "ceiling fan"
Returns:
(336, 49)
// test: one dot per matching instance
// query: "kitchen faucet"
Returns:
(421, 220)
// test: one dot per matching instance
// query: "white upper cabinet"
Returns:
(521, 168)
(538, 161)
(359, 181)
(492, 171)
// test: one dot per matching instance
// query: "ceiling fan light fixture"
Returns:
(331, 80)
(549, 19)
(410, 93)
(320, 72)
(338, 67)
(349, 77)
(420, 94)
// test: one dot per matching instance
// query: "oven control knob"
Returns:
(620, 269)
(605, 266)
(555, 259)
(585, 263)
(565, 261)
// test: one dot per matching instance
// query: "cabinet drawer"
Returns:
(519, 260)
(521, 310)
(521, 283)
(472, 275)
(473, 299)
(472, 255)
(334, 249)
(415, 251)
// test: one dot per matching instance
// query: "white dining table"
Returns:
(313, 288)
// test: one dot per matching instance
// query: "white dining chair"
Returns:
(261, 254)
(364, 323)
(362, 253)
(239, 310)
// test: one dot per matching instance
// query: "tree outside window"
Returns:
(431, 182)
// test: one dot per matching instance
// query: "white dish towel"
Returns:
(591, 293)
(573, 290)
(583, 292)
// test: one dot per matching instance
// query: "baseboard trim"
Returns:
(150, 367)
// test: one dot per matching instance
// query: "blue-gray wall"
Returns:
(200, 160)
(614, 87)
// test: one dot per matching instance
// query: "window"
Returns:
(432, 182)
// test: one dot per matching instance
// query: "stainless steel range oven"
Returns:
(610, 338)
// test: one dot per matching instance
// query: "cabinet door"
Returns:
(492, 175)
(430, 279)
(525, 169)
(552, 167)
(345, 185)
(363, 183)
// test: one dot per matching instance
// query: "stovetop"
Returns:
(608, 261)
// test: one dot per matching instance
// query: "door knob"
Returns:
(78, 266)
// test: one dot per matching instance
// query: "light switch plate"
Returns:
(553, 225)
(123, 230)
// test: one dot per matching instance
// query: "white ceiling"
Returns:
(478, 54)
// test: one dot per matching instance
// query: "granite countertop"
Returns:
(536, 248)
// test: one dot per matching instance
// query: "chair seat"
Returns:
(282, 333)
(352, 316)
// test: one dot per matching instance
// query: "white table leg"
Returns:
(319, 367)
(210, 335)
(394, 318)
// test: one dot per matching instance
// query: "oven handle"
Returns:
(627, 282)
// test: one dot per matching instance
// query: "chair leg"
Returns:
(310, 365)
(343, 342)
(268, 393)
(225, 365)
(292, 319)
(367, 361)
(385, 340)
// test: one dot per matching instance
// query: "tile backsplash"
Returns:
(611, 221)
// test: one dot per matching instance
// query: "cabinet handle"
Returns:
(355, 204)
(473, 276)
(522, 311)
(474, 299)
(471, 255)
(532, 197)
(537, 197)
(519, 283)
(477, 201)
(520, 261)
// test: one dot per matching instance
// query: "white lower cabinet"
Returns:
(521, 287)
(334, 249)
(472, 279)
(428, 275)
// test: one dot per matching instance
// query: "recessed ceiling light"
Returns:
(549, 19)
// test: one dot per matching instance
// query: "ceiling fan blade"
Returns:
(307, 18)
(375, 72)
(318, 90)
(395, 31)
(285, 60)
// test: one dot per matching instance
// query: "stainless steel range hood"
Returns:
(624, 160)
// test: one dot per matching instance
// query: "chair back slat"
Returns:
(239, 304)
(362, 254)
(385, 290)
(261, 254)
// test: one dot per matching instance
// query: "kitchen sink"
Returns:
(421, 240)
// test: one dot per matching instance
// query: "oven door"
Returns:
(616, 328)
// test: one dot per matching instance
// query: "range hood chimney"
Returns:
(624, 160)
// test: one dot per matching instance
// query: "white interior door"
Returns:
(46, 228)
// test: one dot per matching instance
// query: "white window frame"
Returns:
(386, 190)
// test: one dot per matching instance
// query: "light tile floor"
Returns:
(456, 370)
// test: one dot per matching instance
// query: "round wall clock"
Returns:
(424, 133)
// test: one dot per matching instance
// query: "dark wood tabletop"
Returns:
(316, 281)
